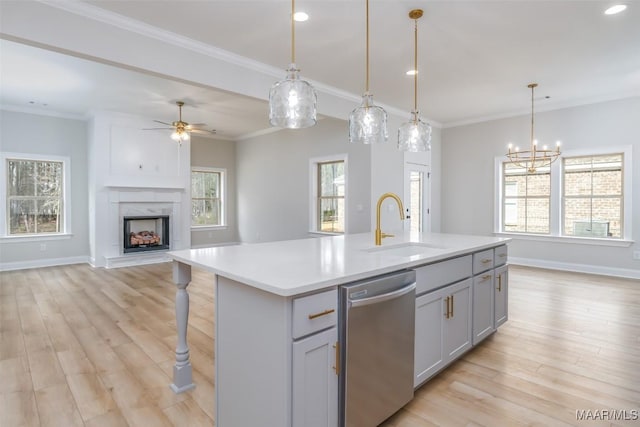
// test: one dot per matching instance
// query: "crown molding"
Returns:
(556, 106)
(42, 112)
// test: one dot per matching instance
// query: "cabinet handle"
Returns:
(337, 367)
(486, 260)
(446, 314)
(486, 277)
(322, 313)
(452, 306)
(500, 283)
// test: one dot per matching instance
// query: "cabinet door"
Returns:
(428, 355)
(501, 282)
(483, 311)
(457, 325)
(315, 380)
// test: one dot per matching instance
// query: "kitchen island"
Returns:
(276, 340)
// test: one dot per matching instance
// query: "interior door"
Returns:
(416, 197)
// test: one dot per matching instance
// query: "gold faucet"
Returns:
(379, 234)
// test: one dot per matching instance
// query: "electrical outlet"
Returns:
(636, 255)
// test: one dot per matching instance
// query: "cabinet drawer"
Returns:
(436, 275)
(500, 255)
(314, 312)
(482, 261)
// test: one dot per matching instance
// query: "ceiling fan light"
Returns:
(292, 102)
(414, 135)
(180, 136)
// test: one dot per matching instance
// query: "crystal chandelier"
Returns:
(368, 122)
(415, 135)
(535, 157)
(292, 102)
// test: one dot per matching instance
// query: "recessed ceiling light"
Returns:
(300, 16)
(412, 72)
(615, 9)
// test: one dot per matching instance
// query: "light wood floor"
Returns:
(94, 347)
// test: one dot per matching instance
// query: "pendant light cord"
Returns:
(293, 33)
(532, 86)
(415, 66)
(366, 88)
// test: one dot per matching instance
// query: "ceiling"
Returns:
(475, 58)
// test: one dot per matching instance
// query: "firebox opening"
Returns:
(146, 233)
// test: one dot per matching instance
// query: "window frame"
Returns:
(223, 198)
(565, 197)
(557, 184)
(314, 171)
(65, 232)
(526, 198)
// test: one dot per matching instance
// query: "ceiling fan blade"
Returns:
(198, 124)
(205, 131)
(157, 128)
(164, 123)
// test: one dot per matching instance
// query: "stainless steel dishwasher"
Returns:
(377, 336)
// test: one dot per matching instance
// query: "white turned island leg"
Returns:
(182, 377)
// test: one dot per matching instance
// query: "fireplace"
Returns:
(145, 233)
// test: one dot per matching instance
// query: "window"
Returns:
(207, 197)
(36, 194)
(584, 194)
(592, 196)
(526, 199)
(328, 178)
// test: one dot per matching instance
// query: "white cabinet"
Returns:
(315, 380)
(314, 313)
(443, 328)
(501, 295)
(429, 350)
(483, 306)
(482, 261)
(315, 370)
(489, 291)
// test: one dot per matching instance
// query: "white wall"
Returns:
(273, 181)
(216, 153)
(35, 134)
(468, 154)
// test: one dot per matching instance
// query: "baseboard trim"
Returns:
(137, 259)
(211, 245)
(578, 268)
(40, 263)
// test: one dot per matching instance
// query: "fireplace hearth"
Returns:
(145, 233)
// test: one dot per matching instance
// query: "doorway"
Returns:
(416, 197)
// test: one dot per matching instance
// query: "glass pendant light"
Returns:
(368, 122)
(415, 135)
(292, 102)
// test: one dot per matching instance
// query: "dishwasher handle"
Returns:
(384, 297)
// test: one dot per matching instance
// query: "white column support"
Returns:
(182, 375)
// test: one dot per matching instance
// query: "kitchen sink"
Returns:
(407, 249)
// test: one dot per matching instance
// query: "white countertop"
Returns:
(293, 267)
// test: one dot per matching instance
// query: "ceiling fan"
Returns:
(181, 129)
